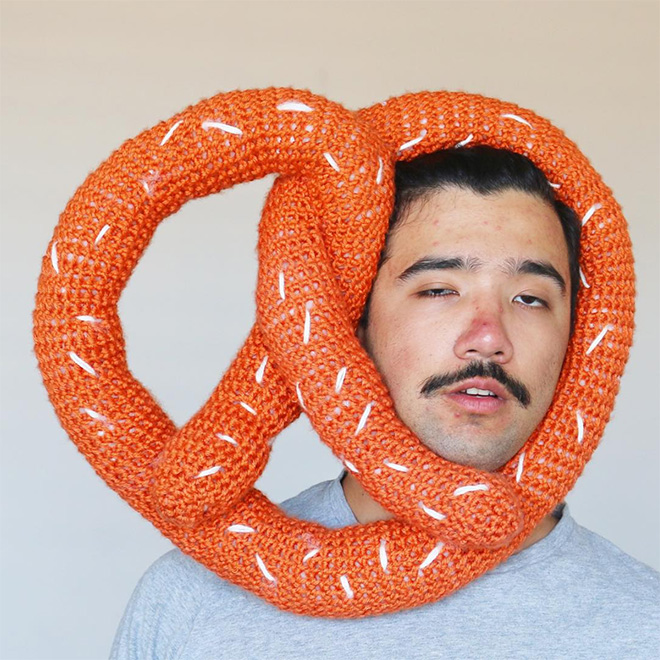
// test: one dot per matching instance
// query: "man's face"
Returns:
(469, 321)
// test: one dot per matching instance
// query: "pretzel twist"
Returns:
(321, 235)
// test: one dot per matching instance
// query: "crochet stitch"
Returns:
(321, 234)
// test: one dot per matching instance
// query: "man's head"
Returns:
(470, 313)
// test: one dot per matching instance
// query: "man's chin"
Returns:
(472, 457)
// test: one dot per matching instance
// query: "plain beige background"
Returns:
(79, 78)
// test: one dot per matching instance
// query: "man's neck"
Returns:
(367, 510)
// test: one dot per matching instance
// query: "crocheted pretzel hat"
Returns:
(321, 234)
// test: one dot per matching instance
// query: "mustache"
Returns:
(478, 369)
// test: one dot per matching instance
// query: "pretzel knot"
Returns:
(321, 235)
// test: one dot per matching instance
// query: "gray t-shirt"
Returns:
(571, 595)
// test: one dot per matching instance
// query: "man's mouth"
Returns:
(478, 395)
(481, 388)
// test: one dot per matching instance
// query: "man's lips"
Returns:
(482, 384)
(482, 396)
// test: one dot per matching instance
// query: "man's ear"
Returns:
(363, 323)
(361, 333)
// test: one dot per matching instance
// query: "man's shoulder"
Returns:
(171, 566)
(174, 595)
(604, 564)
(177, 584)
(580, 564)
(177, 578)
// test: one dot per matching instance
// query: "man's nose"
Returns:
(485, 338)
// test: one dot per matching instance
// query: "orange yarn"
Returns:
(321, 234)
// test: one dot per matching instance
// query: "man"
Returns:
(468, 323)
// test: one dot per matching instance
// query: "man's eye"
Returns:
(530, 301)
(436, 293)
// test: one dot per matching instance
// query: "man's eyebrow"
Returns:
(439, 263)
(531, 267)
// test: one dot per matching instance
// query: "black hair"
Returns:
(484, 170)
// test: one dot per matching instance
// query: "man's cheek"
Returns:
(406, 363)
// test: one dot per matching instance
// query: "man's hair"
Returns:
(484, 170)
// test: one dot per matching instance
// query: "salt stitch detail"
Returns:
(169, 133)
(382, 553)
(590, 212)
(518, 119)
(307, 328)
(227, 128)
(151, 178)
(294, 106)
(259, 376)
(585, 284)
(462, 143)
(598, 339)
(347, 587)
(300, 398)
(519, 471)
(101, 234)
(379, 174)
(556, 186)
(363, 419)
(350, 466)
(311, 554)
(226, 438)
(580, 427)
(247, 407)
(88, 319)
(398, 468)
(432, 556)
(53, 257)
(281, 283)
(208, 472)
(332, 161)
(469, 489)
(241, 529)
(81, 363)
(95, 415)
(413, 142)
(263, 569)
(341, 374)
(432, 512)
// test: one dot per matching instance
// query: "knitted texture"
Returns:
(321, 234)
